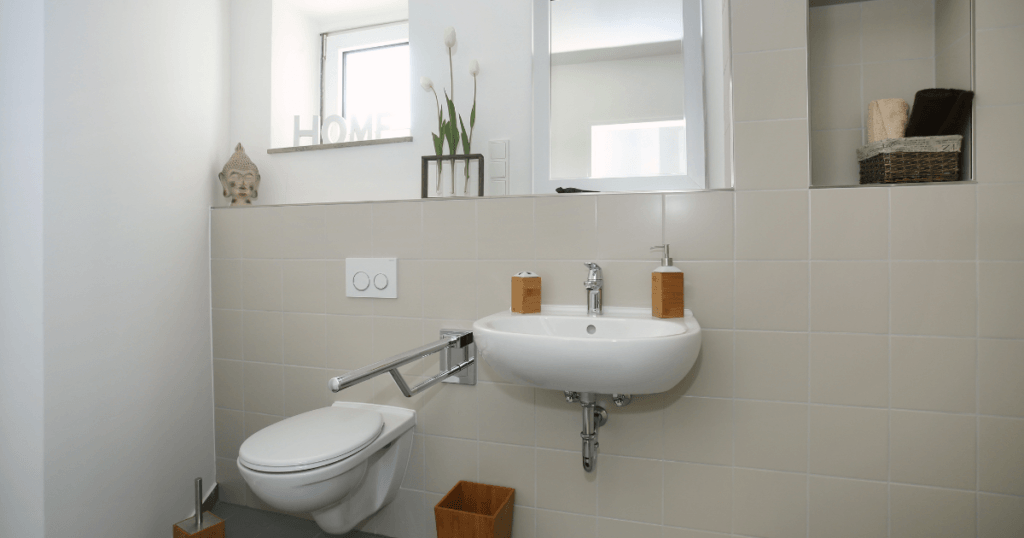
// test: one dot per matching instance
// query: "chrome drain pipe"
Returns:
(594, 416)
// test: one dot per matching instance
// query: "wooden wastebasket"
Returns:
(472, 510)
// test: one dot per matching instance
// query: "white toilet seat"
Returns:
(311, 440)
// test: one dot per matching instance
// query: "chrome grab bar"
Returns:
(450, 340)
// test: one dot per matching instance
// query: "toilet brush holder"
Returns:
(201, 525)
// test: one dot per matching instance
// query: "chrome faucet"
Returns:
(594, 285)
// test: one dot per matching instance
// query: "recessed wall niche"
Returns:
(860, 51)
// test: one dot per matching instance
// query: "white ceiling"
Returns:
(331, 15)
(595, 24)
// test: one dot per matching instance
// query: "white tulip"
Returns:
(449, 37)
(426, 84)
(474, 68)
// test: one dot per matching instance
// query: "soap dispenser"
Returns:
(667, 288)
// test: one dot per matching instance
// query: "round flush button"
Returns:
(380, 281)
(361, 281)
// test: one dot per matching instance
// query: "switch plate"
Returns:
(371, 277)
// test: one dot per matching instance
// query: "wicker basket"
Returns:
(911, 160)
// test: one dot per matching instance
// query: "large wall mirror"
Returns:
(619, 95)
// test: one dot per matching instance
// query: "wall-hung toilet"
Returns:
(341, 463)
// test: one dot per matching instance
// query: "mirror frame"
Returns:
(694, 106)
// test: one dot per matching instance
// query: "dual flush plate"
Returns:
(371, 277)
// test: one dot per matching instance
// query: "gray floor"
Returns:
(244, 522)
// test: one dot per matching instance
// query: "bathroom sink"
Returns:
(623, 351)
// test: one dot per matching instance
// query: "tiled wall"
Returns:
(863, 357)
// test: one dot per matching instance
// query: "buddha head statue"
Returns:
(240, 178)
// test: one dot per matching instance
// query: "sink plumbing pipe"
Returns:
(594, 416)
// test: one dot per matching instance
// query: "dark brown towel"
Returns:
(940, 112)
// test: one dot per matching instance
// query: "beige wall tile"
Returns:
(567, 525)
(1001, 300)
(698, 430)
(934, 513)
(410, 292)
(850, 224)
(349, 342)
(305, 389)
(771, 225)
(347, 233)
(1000, 377)
(255, 422)
(450, 411)
(933, 223)
(439, 298)
(698, 496)
(673, 532)
(264, 386)
(901, 78)
(448, 461)
(337, 301)
(228, 385)
(506, 413)
(403, 516)
(227, 227)
(304, 286)
(305, 340)
(769, 504)
(771, 296)
(557, 422)
(628, 226)
(1000, 221)
(999, 13)
(563, 485)
(627, 283)
(933, 298)
(561, 281)
(284, 232)
(511, 467)
(1000, 458)
(261, 285)
(635, 430)
(712, 374)
(999, 139)
(226, 283)
(952, 22)
(446, 220)
(771, 435)
(699, 225)
(613, 528)
(230, 432)
(227, 334)
(850, 297)
(629, 490)
(772, 155)
(262, 340)
(758, 25)
(505, 229)
(997, 85)
(834, 35)
(494, 285)
(848, 508)
(1000, 516)
(565, 228)
(397, 230)
(834, 157)
(933, 374)
(392, 336)
(232, 485)
(771, 366)
(850, 369)
(770, 85)
(932, 449)
(850, 442)
(835, 97)
(898, 30)
(709, 290)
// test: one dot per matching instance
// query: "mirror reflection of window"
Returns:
(617, 79)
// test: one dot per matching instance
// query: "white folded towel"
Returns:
(887, 118)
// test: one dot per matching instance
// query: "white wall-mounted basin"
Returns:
(624, 351)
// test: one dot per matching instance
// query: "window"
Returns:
(631, 150)
(364, 91)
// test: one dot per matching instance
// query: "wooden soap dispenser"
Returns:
(667, 288)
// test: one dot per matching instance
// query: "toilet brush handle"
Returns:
(199, 503)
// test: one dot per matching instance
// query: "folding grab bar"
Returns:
(455, 346)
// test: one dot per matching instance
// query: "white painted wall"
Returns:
(295, 69)
(21, 269)
(136, 101)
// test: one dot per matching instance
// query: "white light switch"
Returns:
(371, 277)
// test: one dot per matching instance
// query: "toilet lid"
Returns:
(313, 439)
